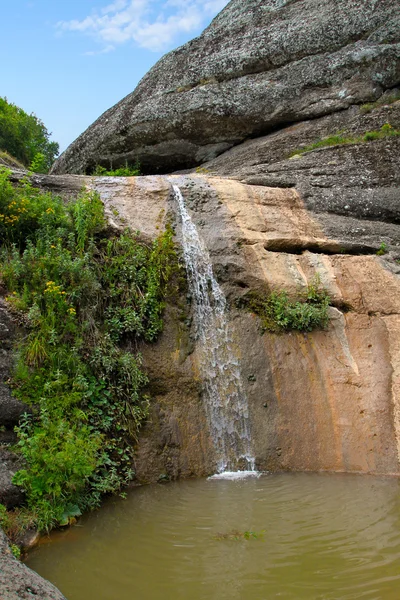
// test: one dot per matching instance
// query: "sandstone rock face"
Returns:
(259, 65)
(327, 400)
(331, 396)
(17, 582)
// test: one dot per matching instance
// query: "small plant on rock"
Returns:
(382, 249)
(279, 313)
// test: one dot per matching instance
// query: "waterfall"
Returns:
(224, 397)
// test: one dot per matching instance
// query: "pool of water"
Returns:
(316, 536)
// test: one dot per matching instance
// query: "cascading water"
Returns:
(225, 400)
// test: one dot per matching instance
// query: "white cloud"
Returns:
(104, 50)
(151, 24)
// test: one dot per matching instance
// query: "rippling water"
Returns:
(325, 537)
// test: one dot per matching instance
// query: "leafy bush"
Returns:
(87, 296)
(382, 249)
(278, 313)
(126, 171)
(25, 137)
(39, 163)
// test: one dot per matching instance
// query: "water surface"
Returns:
(325, 537)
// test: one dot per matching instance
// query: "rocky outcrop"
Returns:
(259, 65)
(67, 187)
(17, 582)
(326, 400)
(10, 495)
(350, 189)
(321, 401)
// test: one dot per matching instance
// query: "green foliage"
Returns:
(385, 131)
(4, 519)
(126, 171)
(278, 313)
(39, 163)
(382, 249)
(86, 296)
(15, 551)
(25, 137)
(61, 454)
(25, 210)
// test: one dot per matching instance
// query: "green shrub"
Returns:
(278, 313)
(86, 296)
(39, 163)
(382, 249)
(126, 171)
(16, 552)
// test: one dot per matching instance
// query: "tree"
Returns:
(25, 137)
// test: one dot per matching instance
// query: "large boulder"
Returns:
(17, 582)
(259, 65)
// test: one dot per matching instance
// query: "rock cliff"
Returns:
(259, 65)
(248, 99)
(326, 400)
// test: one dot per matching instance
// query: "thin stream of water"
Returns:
(224, 397)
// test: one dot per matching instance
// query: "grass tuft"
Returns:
(384, 101)
(386, 131)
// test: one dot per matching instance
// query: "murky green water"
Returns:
(326, 537)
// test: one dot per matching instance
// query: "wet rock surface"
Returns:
(326, 400)
(339, 385)
(17, 582)
(258, 66)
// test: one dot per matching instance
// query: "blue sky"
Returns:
(69, 60)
